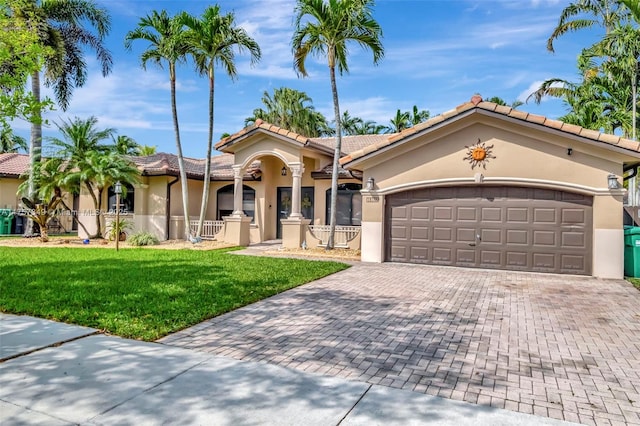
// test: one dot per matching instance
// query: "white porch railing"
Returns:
(209, 229)
(343, 234)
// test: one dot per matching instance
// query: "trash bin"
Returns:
(5, 225)
(632, 251)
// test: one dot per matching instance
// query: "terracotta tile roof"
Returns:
(13, 165)
(259, 124)
(352, 143)
(325, 173)
(349, 143)
(162, 164)
(476, 103)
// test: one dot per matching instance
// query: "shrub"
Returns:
(143, 238)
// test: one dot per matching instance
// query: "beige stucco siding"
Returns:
(8, 193)
(518, 156)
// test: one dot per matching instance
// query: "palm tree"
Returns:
(605, 13)
(350, 124)
(10, 142)
(634, 8)
(167, 43)
(323, 29)
(63, 27)
(418, 116)
(146, 150)
(292, 110)
(79, 137)
(498, 100)
(401, 121)
(212, 39)
(125, 145)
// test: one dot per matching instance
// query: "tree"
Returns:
(146, 150)
(292, 110)
(21, 54)
(212, 40)
(634, 8)
(10, 142)
(90, 163)
(63, 27)
(323, 29)
(167, 43)
(418, 116)
(125, 145)
(604, 13)
(498, 100)
(401, 121)
(350, 124)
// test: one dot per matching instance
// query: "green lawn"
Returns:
(142, 293)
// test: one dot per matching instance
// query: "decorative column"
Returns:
(237, 192)
(296, 190)
(237, 226)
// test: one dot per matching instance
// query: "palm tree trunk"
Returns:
(183, 175)
(35, 145)
(336, 158)
(207, 164)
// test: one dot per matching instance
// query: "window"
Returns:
(349, 209)
(225, 201)
(126, 199)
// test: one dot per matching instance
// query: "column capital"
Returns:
(297, 169)
(237, 171)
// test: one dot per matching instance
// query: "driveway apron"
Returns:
(563, 347)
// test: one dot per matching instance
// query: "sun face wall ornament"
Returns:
(479, 154)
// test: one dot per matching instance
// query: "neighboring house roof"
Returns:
(477, 105)
(13, 165)
(164, 164)
(353, 143)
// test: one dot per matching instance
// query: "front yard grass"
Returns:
(142, 294)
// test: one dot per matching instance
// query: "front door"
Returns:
(284, 205)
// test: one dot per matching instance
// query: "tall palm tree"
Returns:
(64, 27)
(79, 137)
(212, 39)
(498, 100)
(350, 124)
(369, 128)
(634, 8)
(10, 142)
(167, 43)
(323, 29)
(292, 110)
(604, 13)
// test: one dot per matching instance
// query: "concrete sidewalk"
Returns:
(57, 374)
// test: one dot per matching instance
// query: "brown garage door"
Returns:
(526, 229)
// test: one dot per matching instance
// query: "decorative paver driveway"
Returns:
(557, 346)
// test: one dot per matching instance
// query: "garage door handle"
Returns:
(472, 244)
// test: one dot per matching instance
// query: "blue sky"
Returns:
(437, 55)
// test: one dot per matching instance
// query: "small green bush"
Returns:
(143, 238)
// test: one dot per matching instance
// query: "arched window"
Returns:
(349, 211)
(126, 199)
(225, 201)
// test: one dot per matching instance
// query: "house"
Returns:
(481, 186)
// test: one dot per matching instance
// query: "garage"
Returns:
(497, 227)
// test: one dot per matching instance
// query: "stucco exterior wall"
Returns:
(8, 193)
(524, 156)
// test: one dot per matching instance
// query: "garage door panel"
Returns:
(419, 212)
(544, 215)
(443, 213)
(526, 229)
(517, 214)
(491, 214)
(517, 236)
(467, 214)
(443, 235)
(420, 233)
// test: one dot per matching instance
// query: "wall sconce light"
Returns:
(371, 183)
(612, 181)
(283, 171)
(569, 151)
